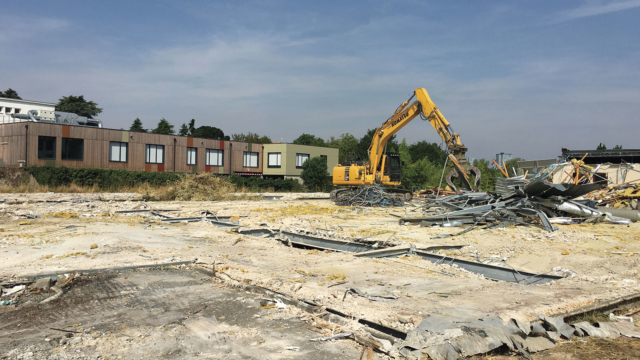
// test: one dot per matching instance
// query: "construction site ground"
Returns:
(154, 312)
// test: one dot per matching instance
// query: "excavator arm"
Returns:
(428, 111)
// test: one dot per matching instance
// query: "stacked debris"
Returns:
(371, 195)
(624, 196)
(517, 201)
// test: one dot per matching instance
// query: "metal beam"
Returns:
(490, 271)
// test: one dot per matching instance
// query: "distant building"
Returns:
(503, 156)
(15, 110)
(285, 160)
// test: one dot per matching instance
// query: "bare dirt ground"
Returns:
(83, 231)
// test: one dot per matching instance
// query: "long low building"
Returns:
(30, 143)
(43, 144)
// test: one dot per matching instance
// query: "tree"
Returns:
(601, 147)
(209, 132)
(164, 127)
(346, 145)
(252, 138)
(617, 147)
(315, 175)
(187, 130)
(489, 175)
(137, 126)
(432, 151)
(10, 94)
(79, 106)
(184, 130)
(308, 139)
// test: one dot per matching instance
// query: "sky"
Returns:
(520, 76)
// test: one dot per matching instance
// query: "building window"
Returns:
(250, 159)
(300, 159)
(72, 149)
(274, 160)
(16, 111)
(154, 154)
(214, 157)
(7, 110)
(324, 157)
(46, 147)
(118, 151)
(192, 156)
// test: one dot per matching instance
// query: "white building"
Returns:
(10, 107)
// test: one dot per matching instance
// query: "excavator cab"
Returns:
(392, 167)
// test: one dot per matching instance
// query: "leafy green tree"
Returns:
(419, 174)
(184, 130)
(315, 174)
(187, 130)
(251, 138)
(209, 132)
(164, 127)
(602, 146)
(422, 149)
(79, 106)
(308, 139)
(10, 94)
(137, 126)
(617, 147)
(489, 175)
(346, 145)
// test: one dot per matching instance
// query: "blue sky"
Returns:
(525, 77)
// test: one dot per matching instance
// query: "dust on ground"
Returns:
(59, 231)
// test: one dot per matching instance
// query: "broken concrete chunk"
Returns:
(41, 284)
(537, 329)
(596, 331)
(558, 325)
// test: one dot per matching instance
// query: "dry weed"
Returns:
(200, 187)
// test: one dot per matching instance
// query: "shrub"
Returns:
(256, 183)
(315, 175)
(104, 179)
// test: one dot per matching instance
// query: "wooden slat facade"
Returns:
(16, 139)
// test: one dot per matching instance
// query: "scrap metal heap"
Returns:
(371, 195)
(517, 201)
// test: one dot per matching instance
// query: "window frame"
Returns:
(126, 145)
(220, 156)
(62, 149)
(147, 148)
(194, 149)
(279, 160)
(55, 144)
(250, 153)
(301, 154)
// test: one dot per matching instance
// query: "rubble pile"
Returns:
(517, 201)
(625, 196)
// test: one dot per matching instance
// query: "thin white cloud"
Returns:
(14, 29)
(594, 9)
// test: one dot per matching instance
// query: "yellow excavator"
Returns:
(384, 168)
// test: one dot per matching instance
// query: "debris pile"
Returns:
(625, 196)
(372, 195)
(517, 201)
